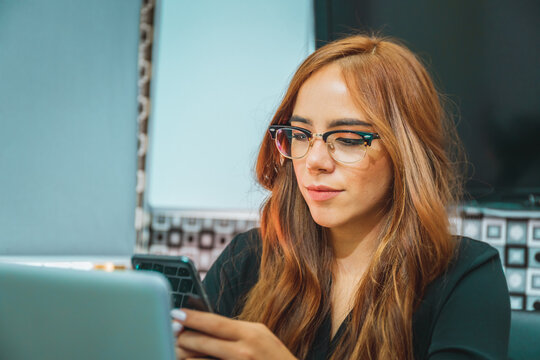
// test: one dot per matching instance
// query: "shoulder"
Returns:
(234, 272)
(244, 251)
(246, 243)
(241, 258)
(472, 253)
(465, 305)
(472, 259)
(469, 255)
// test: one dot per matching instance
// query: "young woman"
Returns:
(354, 258)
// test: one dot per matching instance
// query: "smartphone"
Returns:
(186, 287)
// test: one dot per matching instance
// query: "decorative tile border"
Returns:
(516, 235)
(202, 235)
(146, 41)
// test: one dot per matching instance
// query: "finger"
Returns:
(176, 328)
(212, 324)
(187, 354)
(201, 343)
(178, 314)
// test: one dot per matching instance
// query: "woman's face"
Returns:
(339, 196)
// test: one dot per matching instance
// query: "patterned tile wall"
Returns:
(515, 234)
(201, 236)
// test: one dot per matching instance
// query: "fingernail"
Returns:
(178, 314)
(176, 327)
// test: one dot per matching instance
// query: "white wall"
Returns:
(220, 70)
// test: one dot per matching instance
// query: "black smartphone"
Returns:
(186, 287)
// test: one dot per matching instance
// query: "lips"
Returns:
(322, 193)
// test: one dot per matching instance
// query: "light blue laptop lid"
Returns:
(62, 314)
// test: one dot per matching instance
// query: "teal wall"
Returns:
(220, 70)
(68, 109)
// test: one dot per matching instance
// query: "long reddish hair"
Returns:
(292, 295)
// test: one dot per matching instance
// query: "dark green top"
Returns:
(465, 313)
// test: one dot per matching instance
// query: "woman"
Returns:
(354, 257)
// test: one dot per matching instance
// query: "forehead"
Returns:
(325, 100)
(331, 122)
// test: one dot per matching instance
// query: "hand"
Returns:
(225, 338)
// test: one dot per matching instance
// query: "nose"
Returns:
(318, 158)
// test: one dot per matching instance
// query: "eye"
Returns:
(299, 136)
(349, 141)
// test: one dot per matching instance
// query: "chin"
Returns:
(325, 218)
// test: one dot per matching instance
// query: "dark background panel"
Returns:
(485, 57)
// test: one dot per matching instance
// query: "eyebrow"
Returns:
(333, 123)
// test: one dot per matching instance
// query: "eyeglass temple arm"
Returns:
(371, 136)
(272, 133)
(274, 128)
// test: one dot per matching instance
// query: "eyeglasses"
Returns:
(345, 146)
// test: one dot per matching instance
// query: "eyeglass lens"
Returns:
(343, 147)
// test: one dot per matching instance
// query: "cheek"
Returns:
(386, 172)
(298, 170)
(372, 184)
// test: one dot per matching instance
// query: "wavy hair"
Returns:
(292, 295)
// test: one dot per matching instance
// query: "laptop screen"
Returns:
(49, 313)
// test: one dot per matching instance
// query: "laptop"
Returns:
(61, 314)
